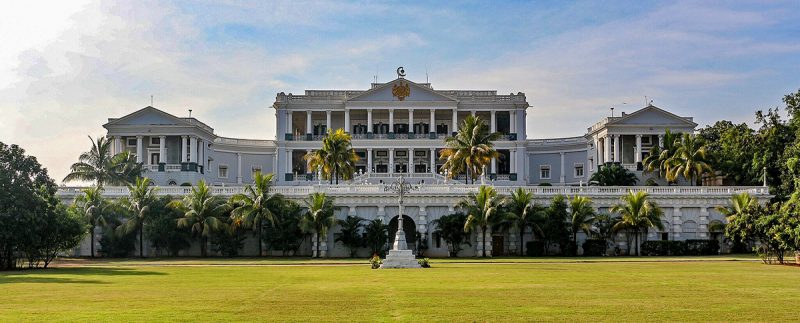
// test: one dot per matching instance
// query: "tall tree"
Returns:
(613, 175)
(99, 166)
(203, 212)
(376, 235)
(581, 217)
(689, 160)
(554, 224)
(739, 203)
(450, 228)
(656, 159)
(523, 213)
(351, 235)
(732, 147)
(638, 214)
(286, 234)
(319, 217)
(470, 150)
(138, 202)
(92, 207)
(483, 210)
(336, 158)
(256, 206)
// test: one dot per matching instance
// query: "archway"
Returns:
(410, 229)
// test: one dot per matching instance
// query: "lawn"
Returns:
(708, 289)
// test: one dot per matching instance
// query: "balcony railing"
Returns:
(402, 136)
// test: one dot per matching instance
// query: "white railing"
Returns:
(152, 168)
(243, 142)
(172, 167)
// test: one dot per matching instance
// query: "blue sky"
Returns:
(66, 66)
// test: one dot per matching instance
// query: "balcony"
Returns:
(184, 167)
(383, 136)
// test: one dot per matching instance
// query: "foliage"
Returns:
(638, 214)
(691, 247)
(424, 263)
(376, 235)
(203, 212)
(99, 166)
(604, 228)
(285, 235)
(420, 243)
(450, 228)
(336, 158)
(255, 206)
(141, 197)
(732, 147)
(375, 261)
(613, 175)
(581, 217)
(656, 159)
(483, 210)
(319, 217)
(228, 241)
(350, 236)
(521, 213)
(93, 208)
(774, 227)
(534, 248)
(470, 150)
(162, 230)
(554, 225)
(116, 245)
(594, 247)
(689, 160)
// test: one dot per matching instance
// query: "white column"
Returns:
(472, 113)
(369, 160)
(411, 121)
(513, 160)
(238, 168)
(308, 122)
(433, 160)
(513, 117)
(677, 221)
(139, 149)
(347, 127)
(391, 120)
(410, 166)
(607, 149)
(289, 122)
(117, 144)
(702, 227)
(432, 127)
(184, 149)
(391, 160)
(616, 149)
(597, 153)
(327, 120)
(193, 149)
(638, 152)
(162, 149)
(369, 120)
(288, 161)
(494, 166)
(201, 152)
(493, 124)
(563, 172)
(455, 121)
(661, 141)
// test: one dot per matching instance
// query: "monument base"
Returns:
(400, 259)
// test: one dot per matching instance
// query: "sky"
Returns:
(68, 66)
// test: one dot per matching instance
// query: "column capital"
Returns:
(391, 149)
(369, 149)
(639, 136)
(139, 137)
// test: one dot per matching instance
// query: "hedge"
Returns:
(534, 248)
(692, 247)
(594, 247)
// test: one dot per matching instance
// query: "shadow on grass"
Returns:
(56, 275)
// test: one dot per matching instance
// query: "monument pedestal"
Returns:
(400, 259)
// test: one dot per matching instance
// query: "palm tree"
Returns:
(656, 159)
(350, 236)
(319, 217)
(100, 166)
(613, 175)
(256, 206)
(203, 212)
(93, 207)
(483, 210)
(690, 159)
(141, 197)
(125, 169)
(336, 158)
(739, 203)
(470, 150)
(582, 216)
(523, 213)
(638, 214)
(376, 234)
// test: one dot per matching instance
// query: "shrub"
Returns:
(423, 263)
(664, 248)
(594, 247)
(534, 248)
(116, 245)
(700, 247)
(375, 261)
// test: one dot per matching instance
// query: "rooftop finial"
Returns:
(401, 73)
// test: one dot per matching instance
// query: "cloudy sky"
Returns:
(65, 67)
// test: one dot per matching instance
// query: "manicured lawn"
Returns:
(664, 290)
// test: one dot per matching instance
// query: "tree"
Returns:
(613, 175)
(656, 159)
(319, 217)
(336, 158)
(203, 212)
(731, 147)
(638, 214)
(285, 235)
(689, 160)
(137, 203)
(255, 206)
(523, 213)
(92, 207)
(350, 236)
(772, 226)
(99, 166)
(450, 228)
(162, 231)
(581, 217)
(483, 210)
(739, 203)
(376, 235)
(470, 150)
(554, 225)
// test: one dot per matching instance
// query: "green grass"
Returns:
(664, 290)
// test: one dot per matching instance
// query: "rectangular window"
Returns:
(223, 171)
(664, 236)
(578, 170)
(131, 142)
(544, 172)
(155, 141)
(645, 140)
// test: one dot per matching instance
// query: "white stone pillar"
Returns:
(513, 160)
(607, 149)
(598, 153)
(184, 149)
(432, 126)
(391, 160)
(433, 161)
(660, 141)
(411, 121)
(391, 120)
(616, 148)
(492, 121)
(369, 120)
(289, 161)
(494, 166)
(513, 117)
(677, 221)
(289, 122)
(117, 144)
(201, 152)
(703, 225)
(327, 120)
(139, 150)
(238, 168)
(308, 122)
(369, 160)
(347, 127)
(638, 157)
(193, 149)
(162, 149)
(410, 166)
(455, 121)
(563, 172)
(472, 113)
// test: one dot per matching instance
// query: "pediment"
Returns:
(652, 115)
(401, 90)
(148, 116)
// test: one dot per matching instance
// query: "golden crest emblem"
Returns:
(401, 91)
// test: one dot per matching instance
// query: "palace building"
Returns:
(398, 128)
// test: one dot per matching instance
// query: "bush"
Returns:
(699, 247)
(375, 261)
(424, 263)
(116, 245)
(663, 248)
(534, 248)
(594, 247)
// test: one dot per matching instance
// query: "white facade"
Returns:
(398, 129)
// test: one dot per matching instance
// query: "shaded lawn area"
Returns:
(610, 291)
